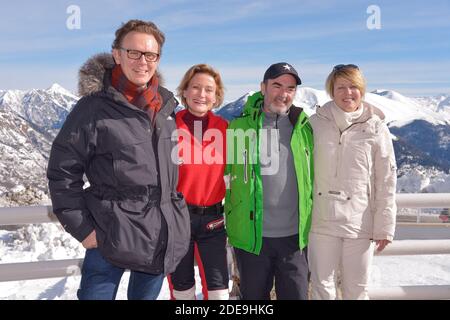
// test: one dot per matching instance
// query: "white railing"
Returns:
(414, 247)
(26, 215)
(423, 200)
(68, 267)
(39, 269)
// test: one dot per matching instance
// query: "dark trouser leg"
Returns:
(212, 254)
(256, 274)
(291, 270)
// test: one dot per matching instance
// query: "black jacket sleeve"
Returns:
(69, 157)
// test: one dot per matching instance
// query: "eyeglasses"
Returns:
(136, 55)
(342, 66)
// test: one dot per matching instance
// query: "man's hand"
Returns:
(90, 241)
(381, 244)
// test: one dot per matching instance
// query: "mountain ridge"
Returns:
(30, 119)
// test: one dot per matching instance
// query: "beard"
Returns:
(277, 110)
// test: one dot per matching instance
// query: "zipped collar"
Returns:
(254, 104)
(369, 112)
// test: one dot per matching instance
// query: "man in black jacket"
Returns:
(119, 136)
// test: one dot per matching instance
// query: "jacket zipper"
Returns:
(245, 166)
(278, 132)
(308, 162)
(252, 213)
(341, 133)
(339, 154)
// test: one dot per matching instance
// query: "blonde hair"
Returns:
(348, 72)
(202, 68)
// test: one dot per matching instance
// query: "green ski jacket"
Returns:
(244, 195)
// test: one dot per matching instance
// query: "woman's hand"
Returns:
(381, 244)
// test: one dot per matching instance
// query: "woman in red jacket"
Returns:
(202, 138)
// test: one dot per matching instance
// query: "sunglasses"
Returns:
(342, 66)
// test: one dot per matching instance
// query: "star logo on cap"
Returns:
(287, 67)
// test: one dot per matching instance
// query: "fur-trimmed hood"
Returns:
(92, 72)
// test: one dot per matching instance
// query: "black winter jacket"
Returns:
(141, 222)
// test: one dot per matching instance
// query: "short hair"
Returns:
(147, 27)
(202, 68)
(352, 74)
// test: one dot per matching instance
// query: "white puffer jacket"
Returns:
(355, 176)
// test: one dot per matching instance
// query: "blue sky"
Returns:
(410, 53)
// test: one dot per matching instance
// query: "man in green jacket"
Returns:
(269, 192)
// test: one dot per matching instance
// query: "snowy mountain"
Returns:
(398, 109)
(29, 121)
(426, 144)
(420, 126)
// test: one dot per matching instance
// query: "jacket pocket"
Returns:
(350, 207)
(100, 210)
(332, 205)
(135, 164)
(240, 224)
(136, 206)
(132, 236)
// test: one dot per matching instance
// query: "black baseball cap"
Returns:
(280, 68)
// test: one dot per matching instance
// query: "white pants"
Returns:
(352, 258)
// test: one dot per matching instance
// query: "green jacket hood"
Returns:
(254, 103)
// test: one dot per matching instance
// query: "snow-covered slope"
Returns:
(29, 121)
(422, 179)
(24, 154)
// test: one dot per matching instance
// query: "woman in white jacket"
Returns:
(355, 181)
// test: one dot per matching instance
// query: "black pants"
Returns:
(279, 259)
(209, 238)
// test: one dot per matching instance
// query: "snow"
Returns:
(391, 271)
(24, 150)
(57, 89)
(419, 179)
(49, 242)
